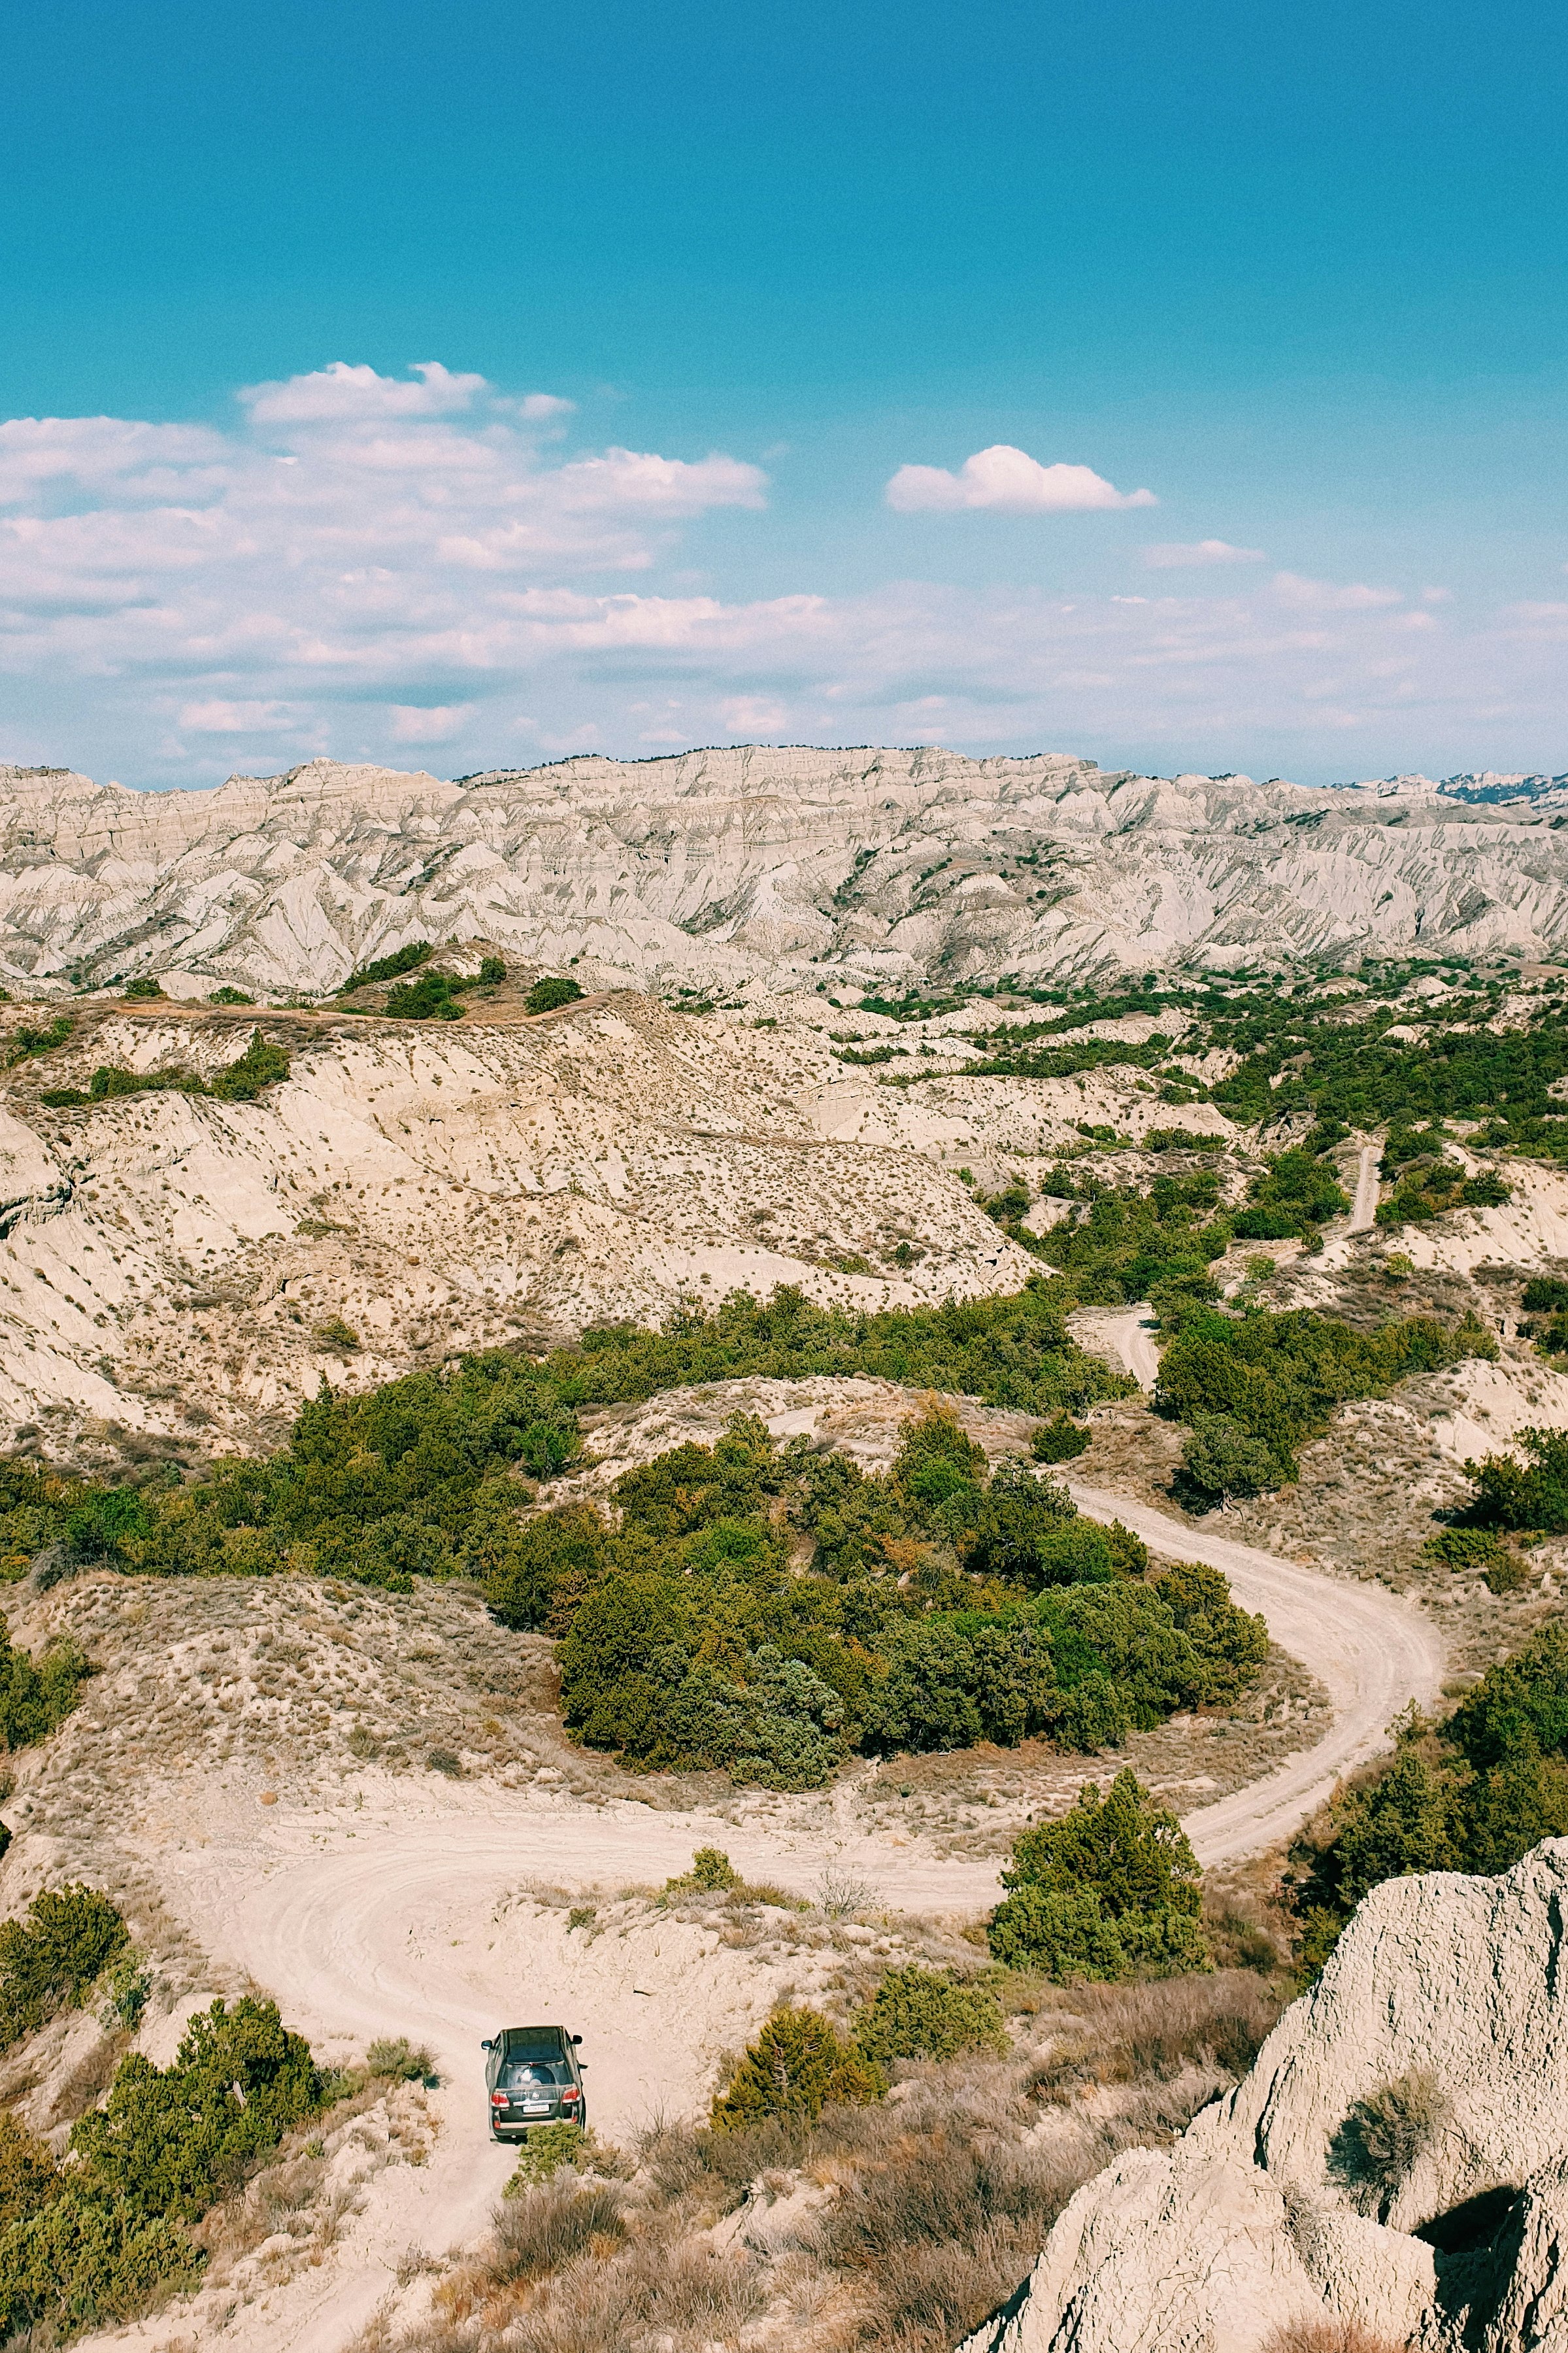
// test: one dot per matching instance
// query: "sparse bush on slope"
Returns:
(55, 1955)
(797, 2066)
(1111, 1889)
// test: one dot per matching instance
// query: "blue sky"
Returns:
(693, 289)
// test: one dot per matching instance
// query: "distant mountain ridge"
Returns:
(716, 871)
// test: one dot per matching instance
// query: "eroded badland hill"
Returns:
(962, 1342)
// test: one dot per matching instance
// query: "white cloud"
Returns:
(1327, 596)
(412, 723)
(541, 408)
(341, 393)
(100, 451)
(1173, 558)
(358, 578)
(220, 718)
(1009, 482)
(753, 714)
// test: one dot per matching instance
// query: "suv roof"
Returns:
(534, 2042)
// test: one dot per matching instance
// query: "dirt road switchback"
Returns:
(1374, 1652)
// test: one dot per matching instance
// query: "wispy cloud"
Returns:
(1173, 556)
(414, 723)
(385, 563)
(1009, 482)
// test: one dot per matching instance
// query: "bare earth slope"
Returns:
(167, 1261)
(720, 868)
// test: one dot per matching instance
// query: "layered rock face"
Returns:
(1398, 2156)
(718, 868)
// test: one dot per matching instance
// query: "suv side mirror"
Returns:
(487, 2046)
(576, 2038)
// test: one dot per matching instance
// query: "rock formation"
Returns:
(1397, 2157)
(718, 868)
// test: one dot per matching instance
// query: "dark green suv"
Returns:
(533, 2076)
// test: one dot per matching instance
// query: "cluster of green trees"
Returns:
(1474, 1794)
(418, 1477)
(766, 1609)
(91, 2241)
(29, 1039)
(389, 967)
(262, 1064)
(434, 996)
(1109, 1890)
(548, 995)
(1252, 1386)
(1131, 1242)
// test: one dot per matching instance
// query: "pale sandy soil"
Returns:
(437, 1909)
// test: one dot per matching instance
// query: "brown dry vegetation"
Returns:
(890, 2229)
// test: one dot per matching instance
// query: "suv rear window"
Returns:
(517, 2074)
(533, 2043)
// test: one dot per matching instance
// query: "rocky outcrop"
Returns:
(1397, 2157)
(718, 868)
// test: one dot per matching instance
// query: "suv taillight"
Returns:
(499, 2100)
(567, 2097)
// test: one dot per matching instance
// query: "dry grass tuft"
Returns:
(1329, 2335)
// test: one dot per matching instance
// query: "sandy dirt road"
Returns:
(1363, 1209)
(411, 1917)
(1124, 1334)
(1373, 1651)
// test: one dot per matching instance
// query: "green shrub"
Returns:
(917, 2014)
(432, 997)
(29, 2178)
(80, 2263)
(36, 1696)
(142, 989)
(1230, 1644)
(1531, 1494)
(545, 2149)
(1475, 1548)
(262, 1064)
(1223, 1459)
(1060, 1440)
(227, 995)
(796, 2066)
(1071, 1938)
(492, 971)
(169, 2141)
(1110, 1887)
(546, 994)
(399, 2060)
(389, 967)
(28, 1041)
(55, 1955)
(1295, 1193)
(712, 1872)
(333, 1333)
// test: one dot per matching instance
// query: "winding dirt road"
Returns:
(1363, 1209)
(1372, 1652)
(406, 1920)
